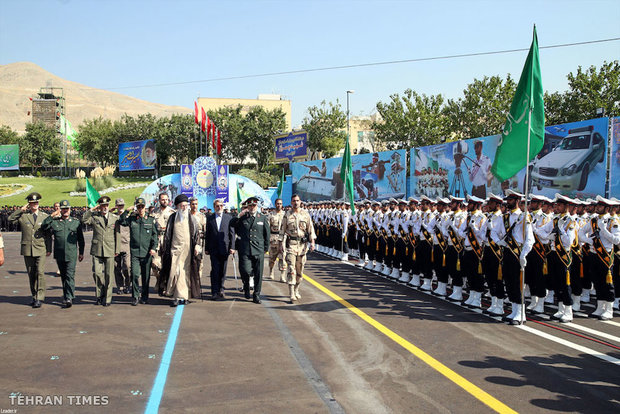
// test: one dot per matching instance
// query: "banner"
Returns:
(222, 183)
(614, 161)
(137, 155)
(380, 175)
(572, 162)
(291, 146)
(187, 183)
(9, 157)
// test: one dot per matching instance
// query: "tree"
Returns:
(229, 120)
(98, 141)
(8, 136)
(176, 138)
(326, 126)
(412, 120)
(259, 128)
(39, 145)
(483, 108)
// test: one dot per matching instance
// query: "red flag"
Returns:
(196, 112)
(213, 134)
(219, 142)
(204, 117)
(208, 129)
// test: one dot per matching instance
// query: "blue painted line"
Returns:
(160, 380)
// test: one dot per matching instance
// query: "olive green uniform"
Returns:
(142, 239)
(68, 239)
(104, 247)
(252, 242)
(34, 246)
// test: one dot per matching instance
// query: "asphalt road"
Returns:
(362, 344)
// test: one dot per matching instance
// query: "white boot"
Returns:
(377, 267)
(291, 292)
(427, 285)
(516, 320)
(475, 303)
(513, 311)
(415, 280)
(369, 265)
(361, 262)
(549, 298)
(457, 294)
(585, 296)
(339, 255)
(441, 289)
(540, 306)
(386, 270)
(493, 305)
(526, 291)
(469, 299)
(395, 273)
(404, 277)
(599, 309)
(568, 315)
(608, 311)
(576, 303)
(498, 310)
(560, 311)
(345, 258)
(297, 294)
(533, 303)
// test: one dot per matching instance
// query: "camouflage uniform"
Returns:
(296, 231)
(275, 222)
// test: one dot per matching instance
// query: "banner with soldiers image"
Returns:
(614, 161)
(377, 176)
(572, 162)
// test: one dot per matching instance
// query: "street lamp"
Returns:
(348, 117)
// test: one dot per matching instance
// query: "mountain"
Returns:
(22, 80)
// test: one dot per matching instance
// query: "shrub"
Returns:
(80, 185)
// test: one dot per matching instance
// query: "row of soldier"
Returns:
(563, 247)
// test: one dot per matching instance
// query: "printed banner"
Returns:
(187, 183)
(222, 183)
(9, 157)
(614, 161)
(377, 176)
(137, 155)
(291, 146)
(572, 162)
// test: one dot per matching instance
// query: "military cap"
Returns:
(103, 200)
(457, 199)
(119, 202)
(474, 199)
(443, 201)
(346, 203)
(376, 203)
(494, 197)
(33, 197)
(181, 198)
(385, 202)
(413, 200)
(250, 201)
(538, 197)
(515, 194)
(603, 200)
(425, 198)
(65, 204)
(615, 200)
(401, 201)
(393, 201)
(366, 201)
(140, 201)
(559, 198)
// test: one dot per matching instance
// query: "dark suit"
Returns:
(218, 243)
(252, 243)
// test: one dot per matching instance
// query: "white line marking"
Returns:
(594, 332)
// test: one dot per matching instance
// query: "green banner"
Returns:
(9, 157)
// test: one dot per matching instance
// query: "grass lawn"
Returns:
(53, 190)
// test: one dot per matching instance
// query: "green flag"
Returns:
(525, 120)
(92, 195)
(281, 185)
(67, 129)
(346, 174)
(238, 198)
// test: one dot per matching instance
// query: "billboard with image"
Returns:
(614, 160)
(137, 155)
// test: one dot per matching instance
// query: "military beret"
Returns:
(181, 198)
(103, 200)
(140, 201)
(65, 204)
(33, 197)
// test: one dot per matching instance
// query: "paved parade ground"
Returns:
(355, 343)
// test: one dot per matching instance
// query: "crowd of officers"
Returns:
(563, 250)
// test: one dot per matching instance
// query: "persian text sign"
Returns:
(187, 183)
(137, 155)
(291, 146)
(222, 183)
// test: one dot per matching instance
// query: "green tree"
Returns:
(483, 108)
(98, 141)
(326, 126)
(259, 128)
(230, 121)
(412, 120)
(8, 136)
(39, 145)
(177, 138)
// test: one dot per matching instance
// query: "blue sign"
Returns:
(291, 146)
(137, 155)
(222, 183)
(187, 183)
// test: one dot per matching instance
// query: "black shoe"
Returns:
(134, 302)
(215, 296)
(106, 304)
(144, 301)
(246, 290)
(68, 303)
(98, 301)
(256, 299)
(36, 304)
(174, 303)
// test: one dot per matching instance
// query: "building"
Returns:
(267, 101)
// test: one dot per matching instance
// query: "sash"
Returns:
(456, 241)
(513, 246)
(443, 243)
(601, 252)
(539, 248)
(427, 236)
(564, 256)
(473, 241)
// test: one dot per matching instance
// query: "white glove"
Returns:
(197, 250)
(523, 262)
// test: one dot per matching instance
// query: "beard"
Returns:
(181, 216)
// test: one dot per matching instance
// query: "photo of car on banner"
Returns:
(572, 162)
(377, 176)
(614, 161)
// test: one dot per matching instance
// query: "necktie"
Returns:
(35, 217)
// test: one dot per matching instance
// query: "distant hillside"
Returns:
(22, 80)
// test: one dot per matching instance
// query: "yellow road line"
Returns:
(474, 390)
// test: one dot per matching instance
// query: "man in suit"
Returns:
(36, 245)
(219, 241)
(105, 246)
(252, 229)
(68, 247)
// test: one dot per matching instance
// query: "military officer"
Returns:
(143, 245)
(161, 214)
(296, 232)
(104, 247)
(252, 242)
(1, 250)
(121, 269)
(36, 245)
(275, 221)
(68, 239)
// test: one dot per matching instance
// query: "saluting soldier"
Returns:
(121, 269)
(68, 239)
(36, 245)
(252, 242)
(275, 222)
(143, 245)
(104, 247)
